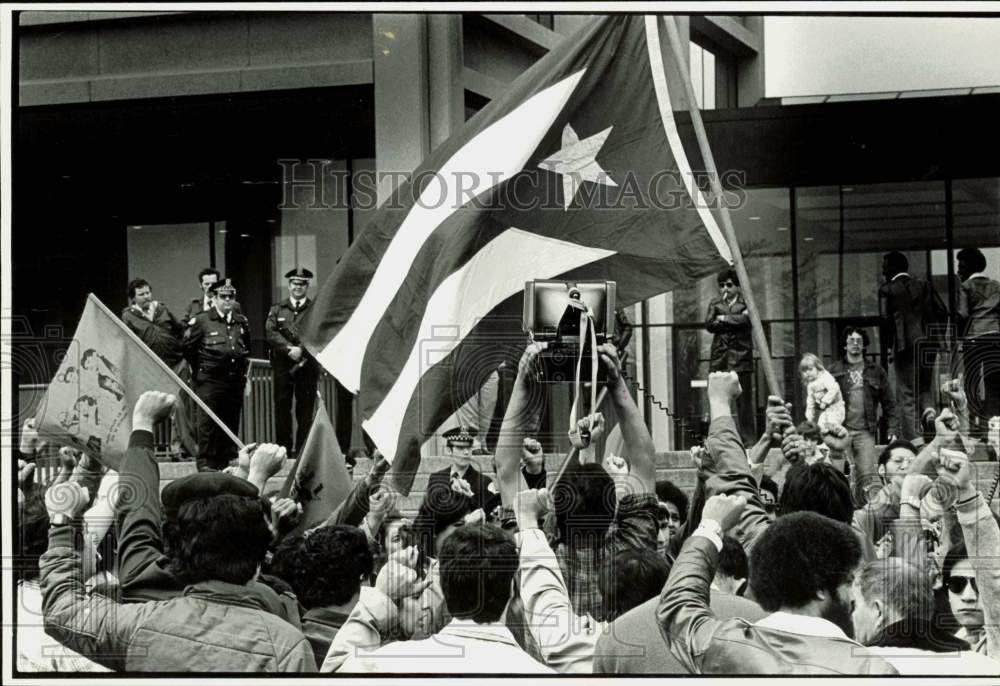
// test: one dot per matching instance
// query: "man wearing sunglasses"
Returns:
(732, 347)
(217, 346)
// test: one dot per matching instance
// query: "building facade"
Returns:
(158, 143)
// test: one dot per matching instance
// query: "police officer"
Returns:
(295, 372)
(217, 345)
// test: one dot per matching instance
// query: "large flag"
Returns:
(576, 172)
(89, 403)
(319, 481)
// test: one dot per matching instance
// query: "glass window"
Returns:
(842, 232)
(762, 226)
(976, 213)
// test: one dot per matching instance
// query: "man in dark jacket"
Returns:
(217, 624)
(461, 477)
(732, 347)
(217, 346)
(914, 309)
(295, 371)
(157, 327)
(979, 316)
(865, 386)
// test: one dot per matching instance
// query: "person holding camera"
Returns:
(732, 346)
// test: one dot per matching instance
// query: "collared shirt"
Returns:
(901, 274)
(459, 472)
(977, 275)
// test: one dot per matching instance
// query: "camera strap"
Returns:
(586, 328)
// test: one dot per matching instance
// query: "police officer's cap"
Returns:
(299, 273)
(203, 485)
(225, 286)
(460, 436)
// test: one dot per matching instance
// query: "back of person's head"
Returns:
(223, 538)
(800, 555)
(973, 258)
(31, 535)
(956, 554)
(629, 578)
(819, 488)
(329, 566)
(134, 285)
(895, 263)
(904, 590)
(733, 559)
(668, 492)
(584, 502)
(478, 563)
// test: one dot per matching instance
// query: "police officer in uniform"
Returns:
(295, 372)
(217, 345)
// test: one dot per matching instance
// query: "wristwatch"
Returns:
(912, 501)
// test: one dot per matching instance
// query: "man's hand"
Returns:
(66, 501)
(956, 395)
(724, 509)
(616, 466)
(151, 407)
(285, 514)
(295, 353)
(461, 486)
(589, 431)
(528, 368)
(946, 426)
(698, 455)
(29, 437)
(475, 517)
(915, 485)
(792, 446)
(379, 502)
(266, 461)
(243, 461)
(68, 458)
(837, 438)
(723, 386)
(778, 416)
(380, 466)
(955, 477)
(398, 579)
(530, 506)
(611, 361)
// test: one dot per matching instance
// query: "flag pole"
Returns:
(166, 368)
(757, 329)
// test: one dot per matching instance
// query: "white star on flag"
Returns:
(577, 162)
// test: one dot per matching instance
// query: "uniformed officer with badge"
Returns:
(295, 372)
(217, 345)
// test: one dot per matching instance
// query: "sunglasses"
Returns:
(956, 584)
(225, 296)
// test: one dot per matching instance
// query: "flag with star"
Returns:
(575, 172)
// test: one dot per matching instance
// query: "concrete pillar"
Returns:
(445, 61)
(402, 108)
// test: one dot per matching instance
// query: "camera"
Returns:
(552, 314)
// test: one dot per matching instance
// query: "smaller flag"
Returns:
(88, 404)
(319, 481)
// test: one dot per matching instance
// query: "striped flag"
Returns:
(575, 172)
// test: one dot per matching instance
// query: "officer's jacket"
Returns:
(214, 346)
(197, 306)
(281, 326)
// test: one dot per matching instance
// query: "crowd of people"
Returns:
(769, 568)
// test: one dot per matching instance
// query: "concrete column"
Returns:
(444, 66)
(750, 70)
(402, 108)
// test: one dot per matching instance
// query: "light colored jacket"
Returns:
(462, 647)
(781, 643)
